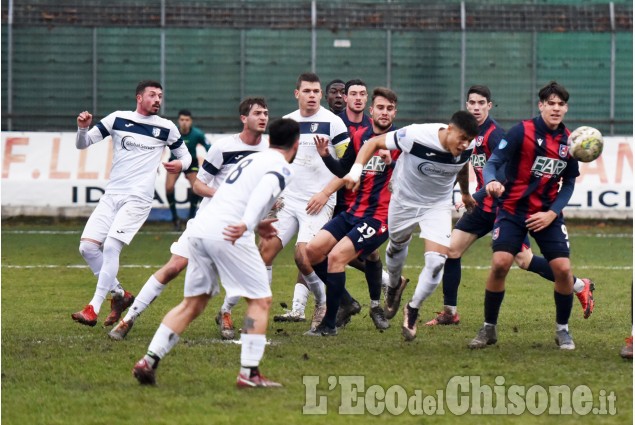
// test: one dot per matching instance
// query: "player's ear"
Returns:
(296, 93)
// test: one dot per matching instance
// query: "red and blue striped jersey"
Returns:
(537, 159)
(489, 136)
(372, 197)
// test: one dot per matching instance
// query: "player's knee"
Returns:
(434, 264)
(112, 247)
(88, 249)
(313, 253)
(500, 266)
(263, 304)
(395, 247)
(174, 267)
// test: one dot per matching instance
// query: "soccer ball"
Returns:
(586, 144)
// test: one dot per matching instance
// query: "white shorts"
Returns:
(239, 267)
(181, 247)
(293, 218)
(434, 222)
(117, 216)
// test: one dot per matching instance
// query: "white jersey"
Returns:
(138, 142)
(221, 159)
(311, 175)
(247, 195)
(425, 173)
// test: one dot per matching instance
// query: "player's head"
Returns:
(254, 114)
(308, 92)
(335, 96)
(284, 133)
(356, 95)
(479, 102)
(553, 104)
(185, 121)
(462, 128)
(149, 96)
(384, 108)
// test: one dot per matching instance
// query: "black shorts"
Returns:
(480, 223)
(367, 234)
(510, 231)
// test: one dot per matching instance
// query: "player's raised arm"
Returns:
(183, 158)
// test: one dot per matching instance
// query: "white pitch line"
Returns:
(286, 266)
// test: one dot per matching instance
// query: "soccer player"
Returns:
(219, 162)
(335, 96)
(138, 140)
(361, 229)
(479, 220)
(306, 209)
(356, 98)
(222, 246)
(424, 177)
(537, 183)
(192, 137)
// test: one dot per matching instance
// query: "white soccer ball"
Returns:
(586, 144)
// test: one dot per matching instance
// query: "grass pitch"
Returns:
(55, 371)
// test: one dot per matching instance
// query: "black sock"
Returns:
(172, 204)
(540, 265)
(373, 278)
(194, 200)
(335, 286)
(564, 304)
(493, 301)
(321, 269)
(451, 281)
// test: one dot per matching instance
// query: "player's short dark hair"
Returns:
(552, 88)
(247, 103)
(480, 90)
(141, 87)
(466, 122)
(385, 92)
(309, 77)
(283, 133)
(336, 81)
(185, 113)
(354, 82)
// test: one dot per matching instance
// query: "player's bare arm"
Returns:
(173, 167)
(463, 180)
(201, 189)
(317, 201)
(351, 180)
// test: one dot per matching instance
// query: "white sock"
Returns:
(270, 274)
(488, 324)
(374, 303)
(396, 255)
(91, 252)
(316, 286)
(450, 309)
(150, 291)
(385, 278)
(252, 349)
(578, 285)
(108, 273)
(163, 341)
(228, 304)
(429, 278)
(300, 298)
(560, 327)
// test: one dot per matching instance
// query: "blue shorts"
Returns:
(480, 223)
(510, 231)
(367, 234)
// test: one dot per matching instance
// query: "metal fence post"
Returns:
(388, 55)
(94, 110)
(612, 86)
(162, 55)
(10, 68)
(463, 59)
(313, 35)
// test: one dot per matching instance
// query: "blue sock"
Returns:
(564, 304)
(451, 280)
(335, 287)
(540, 265)
(493, 301)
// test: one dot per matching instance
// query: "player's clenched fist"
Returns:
(84, 119)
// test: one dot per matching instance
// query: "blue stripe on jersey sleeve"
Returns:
(207, 166)
(104, 132)
(316, 127)
(176, 144)
(235, 156)
(280, 179)
(429, 154)
(339, 138)
(123, 124)
(397, 141)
